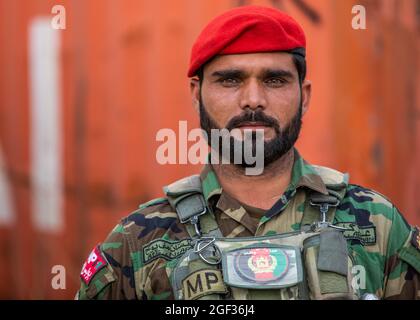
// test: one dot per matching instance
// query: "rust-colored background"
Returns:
(123, 77)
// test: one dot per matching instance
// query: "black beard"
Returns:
(274, 149)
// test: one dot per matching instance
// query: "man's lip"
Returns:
(252, 124)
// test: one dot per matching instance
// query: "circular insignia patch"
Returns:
(261, 265)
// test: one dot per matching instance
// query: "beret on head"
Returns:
(247, 29)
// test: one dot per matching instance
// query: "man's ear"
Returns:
(195, 93)
(306, 95)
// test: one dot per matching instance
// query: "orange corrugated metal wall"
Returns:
(123, 77)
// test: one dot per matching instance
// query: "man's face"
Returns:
(254, 91)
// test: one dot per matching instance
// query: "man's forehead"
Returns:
(252, 62)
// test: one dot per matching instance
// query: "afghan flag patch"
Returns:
(262, 267)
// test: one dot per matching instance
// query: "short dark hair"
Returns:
(298, 59)
(300, 62)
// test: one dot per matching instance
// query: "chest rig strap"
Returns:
(320, 208)
(186, 196)
(319, 213)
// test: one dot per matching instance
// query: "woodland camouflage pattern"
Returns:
(392, 260)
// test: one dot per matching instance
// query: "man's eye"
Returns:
(229, 81)
(275, 81)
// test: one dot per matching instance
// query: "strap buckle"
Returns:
(323, 208)
(204, 243)
(194, 220)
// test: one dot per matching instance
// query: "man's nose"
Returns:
(253, 95)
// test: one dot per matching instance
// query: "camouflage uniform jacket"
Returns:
(141, 250)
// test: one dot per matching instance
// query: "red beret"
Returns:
(246, 29)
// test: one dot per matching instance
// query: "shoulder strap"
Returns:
(320, 207)
(186, 197)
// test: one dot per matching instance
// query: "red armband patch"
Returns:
(93, 264)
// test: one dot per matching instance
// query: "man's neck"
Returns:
(260, 191)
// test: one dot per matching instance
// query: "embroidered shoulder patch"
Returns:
(93, 264)
(415, 239)
(365, 234)
(165, 249)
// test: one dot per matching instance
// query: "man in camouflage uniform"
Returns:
(250, 73)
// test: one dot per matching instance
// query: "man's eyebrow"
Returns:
(272, 73)
(267, 73)
(228, 73)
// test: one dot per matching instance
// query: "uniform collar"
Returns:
(303, 175)
(209, 182)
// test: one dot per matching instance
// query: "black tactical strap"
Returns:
(333, 252)
(186, 196)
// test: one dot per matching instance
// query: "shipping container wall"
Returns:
(80, 108)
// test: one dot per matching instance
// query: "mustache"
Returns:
(253, 116)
